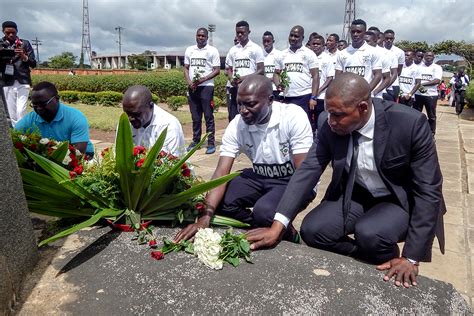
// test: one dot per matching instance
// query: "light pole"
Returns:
(211, 28)
(119, 29)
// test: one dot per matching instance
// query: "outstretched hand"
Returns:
(404, 271)
(189, 231)
(265, 237)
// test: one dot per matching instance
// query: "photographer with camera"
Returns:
(16, 71)
(459, 82)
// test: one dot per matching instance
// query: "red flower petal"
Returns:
(72, 174)
(152, 243)
(186, 173)
(157, 255)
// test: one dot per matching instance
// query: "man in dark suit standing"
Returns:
(385, 187)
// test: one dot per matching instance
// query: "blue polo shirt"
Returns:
(68, 125)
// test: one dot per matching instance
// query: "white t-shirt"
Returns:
(298, 65)
(333, 56)
(400, 57)
(202, 60)
(429, 73)
(269, 64)
(389, 61)
(361, 61)
(174, 142)
(408, 77)
(271, 146)
(244, 59)
(326, 69)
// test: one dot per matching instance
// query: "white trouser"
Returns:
(16, 97)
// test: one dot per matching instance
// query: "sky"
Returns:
(171, 25)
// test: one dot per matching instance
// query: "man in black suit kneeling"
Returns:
(385, 187)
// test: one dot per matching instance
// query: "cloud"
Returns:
(170, 25)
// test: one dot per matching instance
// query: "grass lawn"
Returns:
(106, 118)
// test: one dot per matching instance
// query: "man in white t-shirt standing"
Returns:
(148, 121)
(276, 138)
(409, 79)
(360, 58)
(301, 67)
(270, 53)
(243, 59)
(394, 89)
(331, 47)
(427, 94)
(201, 65)
(326, 74)
(389, 64)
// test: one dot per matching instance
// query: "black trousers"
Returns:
(199, 103)
(303, 102)
(377, 224)
(459, 97)
(233, 108)
(252, 190)
(391, 94)
(430, 105)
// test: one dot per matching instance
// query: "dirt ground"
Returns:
(109, 136)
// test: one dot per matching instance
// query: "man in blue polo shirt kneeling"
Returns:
(56, 120)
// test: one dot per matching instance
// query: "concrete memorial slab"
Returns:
(18, 252)
(107, 273)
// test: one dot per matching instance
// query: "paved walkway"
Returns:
(455, 143)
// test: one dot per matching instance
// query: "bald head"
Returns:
(138, 105)
(348, 103)
(350, 88)
(257, 84)
(137, 93)
(298, 28)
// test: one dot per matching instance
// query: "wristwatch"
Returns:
(313, 97)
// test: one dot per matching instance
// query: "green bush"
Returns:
(470, 95)
(218, 103)
(89, 98)
(162, 84)
(69, 96)
(175, 102)
(109, 98)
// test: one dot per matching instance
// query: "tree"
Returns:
(405, 45)
(64, 61)
(461, 48)
(141, 61)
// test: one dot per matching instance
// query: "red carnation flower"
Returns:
(152, 243)
(104, 151)
(78, 169)
(200, 206)
(140, 162)
(157, 255)
(162, 154)
(33, 147)
(19, 146)
(137, 150)
(72, 174)
(172, 157)
(71, 148)
(186, 173)
(184, 166)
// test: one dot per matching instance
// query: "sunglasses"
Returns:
(42, 104)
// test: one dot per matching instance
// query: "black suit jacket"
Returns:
(406, 158)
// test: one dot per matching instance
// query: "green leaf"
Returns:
(42, 183)
(124, 158)
(20, 158)
(244, 245)
(172, 201)
(61, 175)
(60, 153)
(89, 222)
(233, 261)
